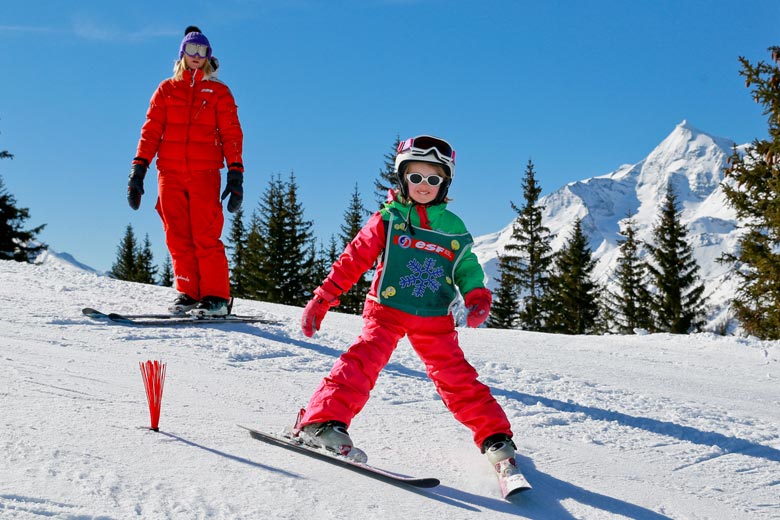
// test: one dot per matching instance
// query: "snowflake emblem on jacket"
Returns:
(424, 276)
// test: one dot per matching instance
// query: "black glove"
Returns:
(135, 186)
(234, 188)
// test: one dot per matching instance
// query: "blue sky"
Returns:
(324, 87)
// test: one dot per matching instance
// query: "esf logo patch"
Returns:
(407, 242)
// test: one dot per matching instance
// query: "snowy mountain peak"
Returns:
(58, 260)
(689, 160)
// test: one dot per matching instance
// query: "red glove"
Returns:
(316, 309)
(478, 303)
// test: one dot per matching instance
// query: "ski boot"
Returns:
(331, 436)
(182, 304)
(211, 307)
(500, 451)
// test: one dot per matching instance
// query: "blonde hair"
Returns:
(180, 66)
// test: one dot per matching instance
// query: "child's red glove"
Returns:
(316, 309)
(478, 303)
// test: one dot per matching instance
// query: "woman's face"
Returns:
(423, 193)
(194, 62)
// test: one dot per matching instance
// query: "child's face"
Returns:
(423, 193)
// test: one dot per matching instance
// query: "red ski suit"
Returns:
(191, 126)
(343, 393)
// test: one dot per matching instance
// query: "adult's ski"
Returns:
(163, 320)
(293, 444)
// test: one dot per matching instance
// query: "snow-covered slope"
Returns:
(689, 160)
(642, 427)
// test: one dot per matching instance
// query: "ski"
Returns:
(162, 320)
(512, 484)
(295, 445)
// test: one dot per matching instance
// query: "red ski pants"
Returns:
(192, 218)
(342, 394)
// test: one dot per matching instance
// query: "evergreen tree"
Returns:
(332, 253)
(386, 178)
(253, 259)
(571, 303)
(678, 302)
(145, 270)
(300, 260)
(237, 244)
(529, 254)
(606, 318)
(505, 310)
(754, 191)
(134, 262)
(166, 275)
(631, 302)
(321, 266)
(15, 242)
(285, 258)
(269, 236)
(124, 268)
(352, 300)
(325, 258)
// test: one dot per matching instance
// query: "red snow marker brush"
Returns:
(153, 373)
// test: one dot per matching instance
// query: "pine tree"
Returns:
(166, 274)
(678, 302)
(145, 270)
(300, 260)
(529, 255)
(606, 317)
(752, 187)
(352, 300)
(321, 265)
(333, 252)
(631, 302)
(285, 260)
(269, 236)
(237, 244)
(124, 268)
(505, 310)
(571, 303)
(386, 178)
(15, 243)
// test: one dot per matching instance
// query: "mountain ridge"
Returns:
(692, 162)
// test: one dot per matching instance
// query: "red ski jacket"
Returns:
(192, 124)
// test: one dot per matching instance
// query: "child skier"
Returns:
(425, 253)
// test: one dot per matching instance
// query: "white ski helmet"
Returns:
(425, 148)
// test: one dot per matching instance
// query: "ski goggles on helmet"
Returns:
(419, 178)
(425, 144)
(196, 49)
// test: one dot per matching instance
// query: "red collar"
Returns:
(422, 212)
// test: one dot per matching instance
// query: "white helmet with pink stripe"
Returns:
(425, 148)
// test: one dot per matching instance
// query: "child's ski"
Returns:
(511, 481)
(293, 444)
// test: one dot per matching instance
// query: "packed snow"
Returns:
(648, 426)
